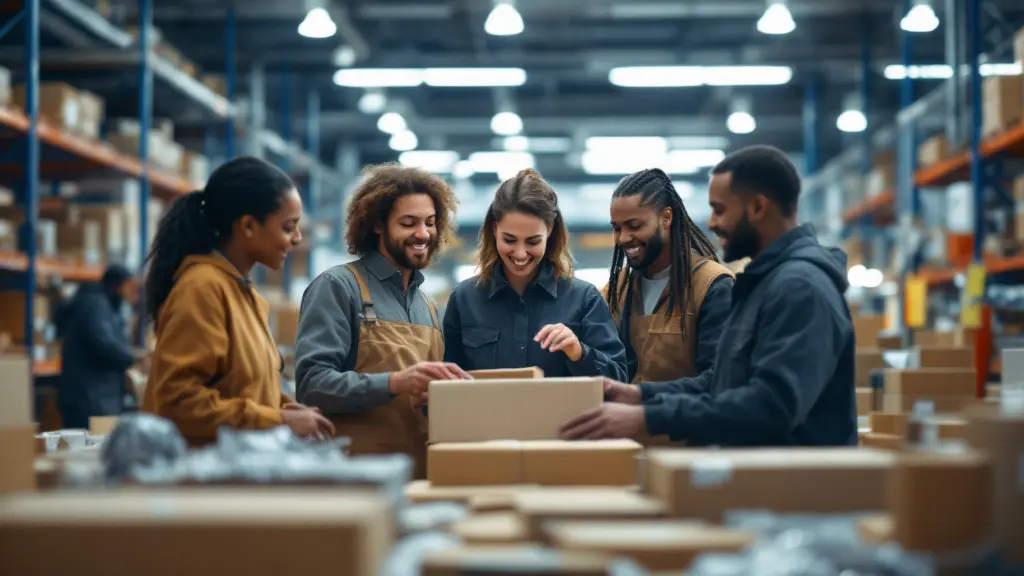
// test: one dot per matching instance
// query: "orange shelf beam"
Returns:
(870, 206)
(46, 368)
(97, 153)
(956, 168)
(66, 269)
(993, 264)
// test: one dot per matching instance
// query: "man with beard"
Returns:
(369, 341)
(783, 375)
(671, 302)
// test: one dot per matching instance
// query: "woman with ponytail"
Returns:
(215, 363)
(523, 308)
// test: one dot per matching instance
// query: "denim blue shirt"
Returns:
(489, 326)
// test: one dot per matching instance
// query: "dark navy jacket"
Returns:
(95, 353)
(783, 375)
(490, 326)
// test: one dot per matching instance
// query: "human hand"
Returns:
(558, 337)
(622, 393)
(306, 423)
(297, 406)
(415, 379)
(610, 420)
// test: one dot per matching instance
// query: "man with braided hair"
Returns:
(670, 302)
(783, 374)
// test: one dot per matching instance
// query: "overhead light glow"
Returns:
(391, 123)
(372, 102)
(463, 170)
(403, 141)
(776, 20)
(920, 18)
(682, 76)
(473, 77)
(318, 24)
(741, 123)
(504, 20)
(944, 71)
(378, 77)
(542, 144)
(628, 144)
(506, 124)
(620, 162)
(516, 144)
(436, 161)
(344, 56)
(852, 121)
(500, 162)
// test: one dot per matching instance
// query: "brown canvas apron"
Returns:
(657, 339)
(386, 346)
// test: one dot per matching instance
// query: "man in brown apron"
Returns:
(671, 301)
(369, 341)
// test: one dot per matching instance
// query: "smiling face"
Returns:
(271, 241)
(410, 237)
(730, 219)
(521, 241)
(641, 232)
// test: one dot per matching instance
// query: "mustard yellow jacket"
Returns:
(215, 363)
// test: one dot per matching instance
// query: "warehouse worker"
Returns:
(369, 340)
(784, 371)
(215, 363)
(95, 349)
(523, 308)
(671, 303)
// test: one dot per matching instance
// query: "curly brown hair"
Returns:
(530, 194)
(375, 196)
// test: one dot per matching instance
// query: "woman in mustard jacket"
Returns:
(215, 363)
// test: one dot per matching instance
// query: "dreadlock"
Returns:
(685, 239)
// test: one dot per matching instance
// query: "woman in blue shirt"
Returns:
(524, 308)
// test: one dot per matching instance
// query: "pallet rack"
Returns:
(48, 151)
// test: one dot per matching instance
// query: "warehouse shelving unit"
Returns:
(50, 152)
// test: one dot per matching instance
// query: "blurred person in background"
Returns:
(784, 371)
(369, 340)
(215, 363)
(95, 349)
(524, 308)
(671, 300)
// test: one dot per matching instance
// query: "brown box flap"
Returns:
(507, 373)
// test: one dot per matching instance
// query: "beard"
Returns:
(743, 241)
(652, 250)
(397, 252)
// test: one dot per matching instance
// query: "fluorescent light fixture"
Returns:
(344, 56)
(463, 170)
(688, 142)
(620, 162)
(506, 172)
(852, 121)
(372, 102)
(776, 19)
(859, 276)
(920, 18)
(683, 160)
(318, 24)
(378, 77)
(504, 20)
(516, 144)
(436, 161)
(542, 144)
(654, 145)
(506, 124)
(741, 123)
(403, 141)
(473, 77)
(500, 162)
(943, 71)
(391, 123)
(681, 76)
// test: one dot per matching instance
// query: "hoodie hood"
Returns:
(801, 243)
(215, 260)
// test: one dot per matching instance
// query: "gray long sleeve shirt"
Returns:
(327, 344)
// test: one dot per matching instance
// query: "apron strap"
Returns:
(432, 307)
(369, 312)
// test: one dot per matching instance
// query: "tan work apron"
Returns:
(662, 353)
(385, 346)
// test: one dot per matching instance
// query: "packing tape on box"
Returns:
(710, 471)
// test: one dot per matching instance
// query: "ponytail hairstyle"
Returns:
(201, 221)
(685, 239)
(527, 193)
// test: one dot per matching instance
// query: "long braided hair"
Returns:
(685, 239)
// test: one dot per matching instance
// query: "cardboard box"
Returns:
(514, 560)
(930, 382)
(867, 360)
(890, 342)
(882, 441)
(1001, 436)
(16, 391)
(866, 401)
(462, 411)
(491, 528)
(345, 532)
(932, 151)
(58, 104)
(889, 423)
(507, 374)
(701, 484)
(659, 546)
(940, 502)
(958, 338)
(537, 507)
(542, 462)
(1002, 103)
(102, 425)
(286, 324)
(943, 357)
(17, 459)
(421, 491)
(866, 329)
(940, 404)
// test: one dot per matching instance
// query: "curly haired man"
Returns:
(369, 341)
